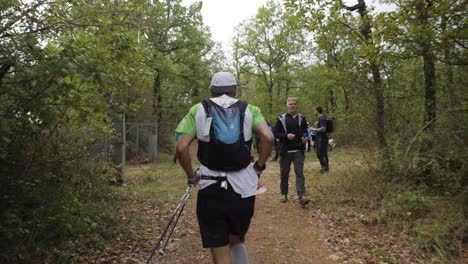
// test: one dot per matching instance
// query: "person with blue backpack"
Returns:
(224, 127)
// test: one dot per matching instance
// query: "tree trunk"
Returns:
(278, 88)
(425, 44)
(366, 31)
(427, 54)
(270, 91)
(195, 91)
(453, 102)
(239, 86)
(237, 66)
(156, 113)
(332, 100)
(346, 99)
(270, 98)
(157, 96)
(379, 106)
(430, 89)
(3, 71)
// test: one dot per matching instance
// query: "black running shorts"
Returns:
(222, 212)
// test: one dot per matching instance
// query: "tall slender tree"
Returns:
(271, 40)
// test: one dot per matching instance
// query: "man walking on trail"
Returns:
(224, 128)
(291, 129)
(321, 143)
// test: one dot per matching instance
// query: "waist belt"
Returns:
(213, 178)
(223, 180)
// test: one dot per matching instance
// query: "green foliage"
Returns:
(161, 178)
(269, 42)
(68, 69)
(433, 223)
(182, 53)
(341, 82)
(441, 231)
(405, 206)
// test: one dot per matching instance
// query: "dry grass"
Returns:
(424, 220)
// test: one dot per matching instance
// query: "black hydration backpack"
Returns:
(331, 124)
(227, 149)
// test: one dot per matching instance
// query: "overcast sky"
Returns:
(223, 15)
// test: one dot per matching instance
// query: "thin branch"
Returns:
(357, 6)
(405, 156)
(24, 13)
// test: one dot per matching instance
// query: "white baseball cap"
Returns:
(223, 82)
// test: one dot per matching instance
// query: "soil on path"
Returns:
(279, 233)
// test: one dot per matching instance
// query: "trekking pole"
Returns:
(173, 226)
(176, 211)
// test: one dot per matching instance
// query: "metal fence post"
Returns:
(106, 143)
(124, 143)
(137, 139)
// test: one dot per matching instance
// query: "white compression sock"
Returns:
(239, 254)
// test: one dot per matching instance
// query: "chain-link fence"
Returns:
(140, 143)
(137, 145)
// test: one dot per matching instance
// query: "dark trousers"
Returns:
(285, 166)
(321, 148)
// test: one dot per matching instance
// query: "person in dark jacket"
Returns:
(291, 130)
(321, 144)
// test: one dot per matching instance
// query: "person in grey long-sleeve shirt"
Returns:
(321, 146)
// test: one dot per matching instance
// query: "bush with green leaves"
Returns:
(405, 206)
(68, 70)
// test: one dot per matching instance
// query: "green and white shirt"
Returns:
(244, 182)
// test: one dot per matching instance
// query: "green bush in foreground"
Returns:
(433, 223)
(430, 220)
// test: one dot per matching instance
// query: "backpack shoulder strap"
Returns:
(300, 117)
(242, 105)
(208, 129)
(206, 103)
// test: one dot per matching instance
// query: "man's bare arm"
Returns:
(183, 154)
(266, 142)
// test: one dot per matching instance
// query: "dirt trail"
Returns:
(279, 233)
